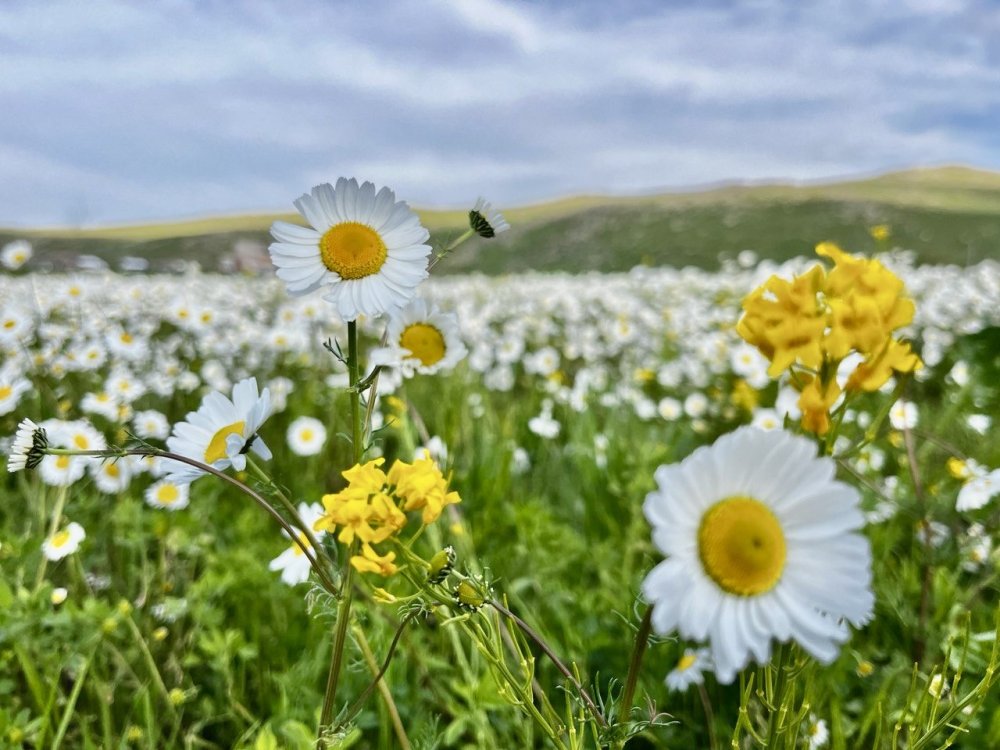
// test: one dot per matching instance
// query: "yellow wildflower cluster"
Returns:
(813, 322)
(373, 506)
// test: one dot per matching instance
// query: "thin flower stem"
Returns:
(926, 587)
(154, 671)
(706, 704)
(638, 651)
(554, 658)
(777, 699)
(390, 704)
(454, 244)
(360, 701)
(344, 610)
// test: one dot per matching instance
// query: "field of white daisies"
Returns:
(355, 505)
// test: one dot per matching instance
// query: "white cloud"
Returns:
(125, 111)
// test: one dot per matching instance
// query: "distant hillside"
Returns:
(946, 215)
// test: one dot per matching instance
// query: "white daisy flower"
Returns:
(112, 476)
(366, 246)
(64, 542)
(766, 419)
(306, 436)
(15, 254)
(816, 732)
(102, 404)
(61, 471)
(669, 408)
(15, 325)
(293, 563)
(168, 495)
(689, 669)
(58, 596)
(903, 415)
(28, 447)
(421, 339)
(761, 544)
(978, 491)
(485, 220)
(151, 424)
(221, 432)
(12, 386)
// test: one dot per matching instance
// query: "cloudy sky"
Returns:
(127, 111)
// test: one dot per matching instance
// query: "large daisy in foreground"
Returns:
(366, 246)
(761, 544)
(221, 432)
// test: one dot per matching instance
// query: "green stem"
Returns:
(71, 703)
(638, 651)
(347, 589)
(451, 246)
(290, 507)
(154, 671)
(777, 699)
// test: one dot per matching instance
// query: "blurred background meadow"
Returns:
(656, 163)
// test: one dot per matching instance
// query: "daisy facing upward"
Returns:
(365, 247)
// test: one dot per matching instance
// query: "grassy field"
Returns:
(945, 215)
(171, 631)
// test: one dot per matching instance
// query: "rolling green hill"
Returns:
(946, 215)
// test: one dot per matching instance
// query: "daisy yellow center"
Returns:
(5, 391)
(60, 539)
(687, 661)
(742, 546)
(167, 494)
(81, 442)
(62, 462)
(126, 338)
(297, 549)
(352, 250)
(306, 435)
(216, 449)
(111, 470)
(424, 341)
(8, 324)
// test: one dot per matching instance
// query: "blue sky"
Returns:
(128, 111)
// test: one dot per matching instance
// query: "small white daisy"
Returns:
(978, 491)
(61, 471)
(689, 669)
(293, 563)
(64, 542)
(816, 732)
(421, 339)
(15, 254)
(761, 544)
(221, 432)
(168, 495)
(306, 436)
(111, 476)
(485, 220)
(366, 246)
(28, 447)
(151, 424)
(903, 415)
